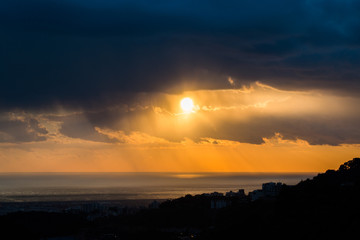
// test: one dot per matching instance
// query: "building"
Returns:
(269, 191)
(256, 195)
(214, 194)
(272, 189)
(240, 194)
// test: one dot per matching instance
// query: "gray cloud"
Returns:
(21, 130)
(314, 128)
(77, 126)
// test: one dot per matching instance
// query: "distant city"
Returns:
(95, 209)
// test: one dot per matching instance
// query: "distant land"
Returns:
(325, 206)
(116, 186)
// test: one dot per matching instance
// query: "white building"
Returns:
(269, 190)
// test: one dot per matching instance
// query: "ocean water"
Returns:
(34, 187)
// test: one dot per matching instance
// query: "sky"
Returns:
(96, 85)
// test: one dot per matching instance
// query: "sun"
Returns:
(187, 105)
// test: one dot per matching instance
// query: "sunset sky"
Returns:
(97, 85)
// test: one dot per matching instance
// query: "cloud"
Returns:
(123, 66)
(77, 126)
(92, 81)
(231, 81)
(246, 115)
(83, 53)
(17, 128)
(132, 138)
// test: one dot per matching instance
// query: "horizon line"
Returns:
(260, 172)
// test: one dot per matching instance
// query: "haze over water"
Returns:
(26, 187)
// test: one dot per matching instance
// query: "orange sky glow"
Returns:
(162, 137)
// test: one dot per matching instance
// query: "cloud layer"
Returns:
(83, 53)
(96, 85)
(246, 115)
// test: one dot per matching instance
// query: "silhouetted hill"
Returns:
(340, 184)
(348, 174)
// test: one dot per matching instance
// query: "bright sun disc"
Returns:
(187, 105)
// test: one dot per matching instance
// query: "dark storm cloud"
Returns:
(78, 53)
(21, 130)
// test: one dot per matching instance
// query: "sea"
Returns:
(42, 187)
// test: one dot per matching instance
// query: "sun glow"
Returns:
(187, 105)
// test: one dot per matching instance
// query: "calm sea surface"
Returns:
(27, 187)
